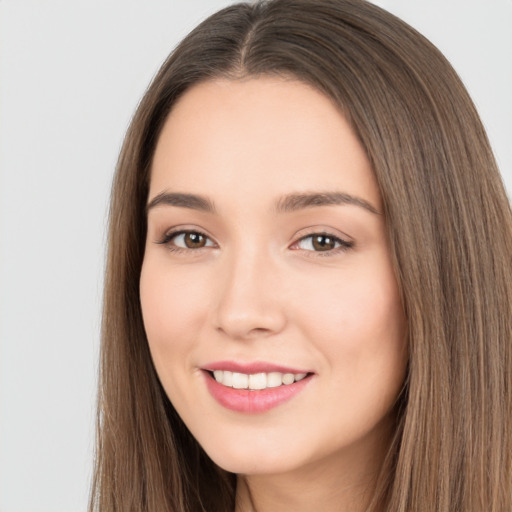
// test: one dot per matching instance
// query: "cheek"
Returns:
(172, 307)
(354, 300)
(355, 319)
(359, 331)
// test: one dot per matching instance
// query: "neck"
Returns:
(282, 495)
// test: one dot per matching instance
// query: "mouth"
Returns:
(255, 381)
(254, 390)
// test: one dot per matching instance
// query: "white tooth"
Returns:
(240, 380)
(299, 376)
(288, 378)
(258, 381)
(227, 379)
(274, 379)
(218, 374)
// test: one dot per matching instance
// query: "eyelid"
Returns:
(174, 232)
(345, 242)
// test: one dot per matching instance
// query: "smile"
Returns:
(251, 389)
(256, 381)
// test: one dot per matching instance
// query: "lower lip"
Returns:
(253, 401)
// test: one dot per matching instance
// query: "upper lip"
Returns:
(252, 368)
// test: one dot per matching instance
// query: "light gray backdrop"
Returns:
(71, 74)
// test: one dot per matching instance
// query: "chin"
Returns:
(253, 461)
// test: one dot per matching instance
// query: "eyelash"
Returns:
(343, 245)
(168, 237)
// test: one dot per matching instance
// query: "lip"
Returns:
(252, 401)
(251, 368)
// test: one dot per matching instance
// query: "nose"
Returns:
(249, 304)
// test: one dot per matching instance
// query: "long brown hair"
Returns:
(450, 230)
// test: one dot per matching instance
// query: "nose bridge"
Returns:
(248, 304)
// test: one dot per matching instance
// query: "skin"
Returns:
(259, 290)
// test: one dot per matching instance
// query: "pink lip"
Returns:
(252, 401)
(251, 368)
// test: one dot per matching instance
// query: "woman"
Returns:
(308, 293)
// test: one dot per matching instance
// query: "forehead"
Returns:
(260, 136)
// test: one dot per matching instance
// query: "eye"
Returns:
(183, 240)
(322, 242)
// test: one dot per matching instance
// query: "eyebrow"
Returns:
(294, 202)
(286, 204)
(182, 200)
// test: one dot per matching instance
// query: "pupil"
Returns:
(194, 240)
(323, 243)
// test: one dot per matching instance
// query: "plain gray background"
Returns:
(71, 74)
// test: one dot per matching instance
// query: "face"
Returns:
(268, 295)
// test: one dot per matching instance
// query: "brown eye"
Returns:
(187, 240)
(194, 240)
(323, 243)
